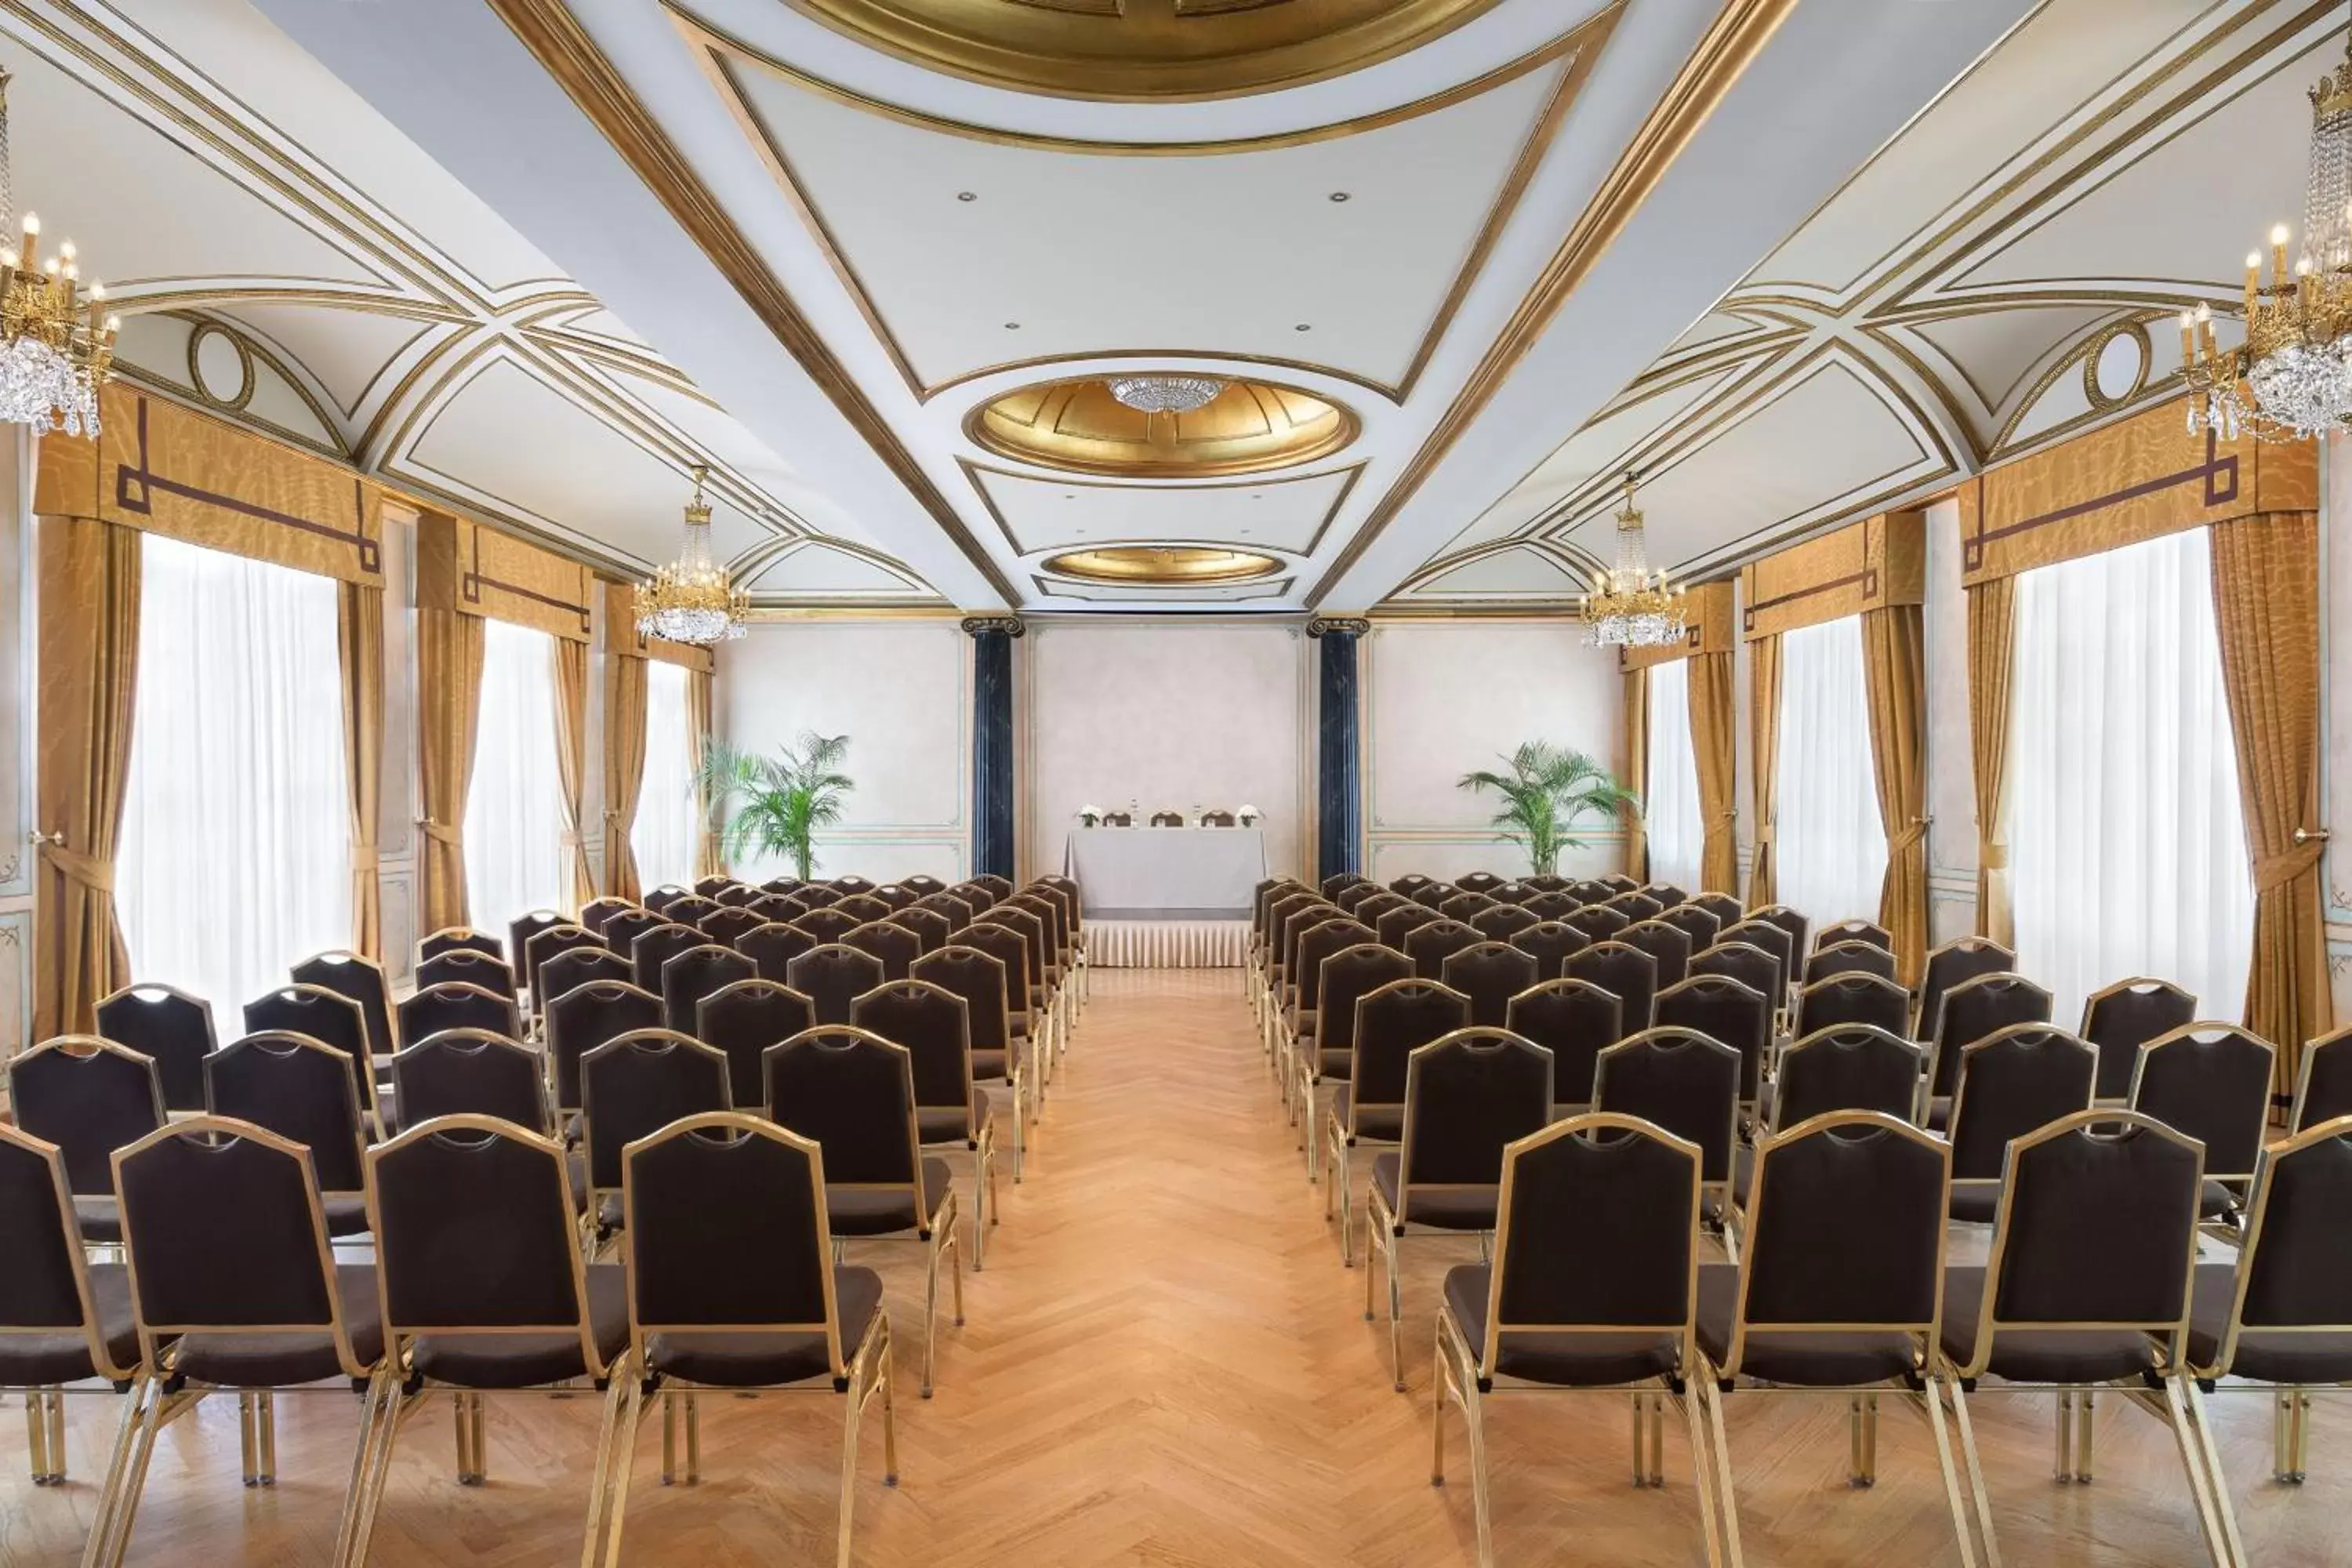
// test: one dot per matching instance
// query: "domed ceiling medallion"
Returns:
(1146, 565)
(1083, 427)
(1126, 50)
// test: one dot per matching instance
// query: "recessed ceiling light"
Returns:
(1339, 195)
(1012, 326)
(967, 195)
(1303, 327)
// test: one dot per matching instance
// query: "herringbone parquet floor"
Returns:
(1166, 1365)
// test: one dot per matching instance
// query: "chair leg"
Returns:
(2289, 1431)
(2202, 1424)
(2064, 1473)
(248, 1460)
(1709, 1395)
(101, 1529)
(693, 1438)
(2212, 1505)
(48, 1466)
(2086, 1416)
(931, 1309)
(1976, 1472)
(670, 1438)
(1396, 1311)
(1704, 1472)
(1862, 1422)
(374, 1468)
(1932, 1399)
(134, 1481)
(624, 1458)
(1440, 1384)
(618, 1376)
(1474, 1419)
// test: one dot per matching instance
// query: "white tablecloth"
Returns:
(1167, 873)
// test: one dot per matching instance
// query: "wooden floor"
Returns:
(1165, 1363)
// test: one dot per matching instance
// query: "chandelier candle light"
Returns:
(56, 341)
(1165, 393)
(691, 600)
(1633, 606)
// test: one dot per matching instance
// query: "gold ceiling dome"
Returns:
(1126, 51)
(1084, 427)
(1186, 565)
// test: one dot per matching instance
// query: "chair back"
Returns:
(1546, 882)
(1393, 1021)
(1295, 920)
(1795, 925)
(1669, 947)
(657, 947)
(2212, 1082)
(328, 1017)
(1773, 938)
(1503, 921)
(731, 923)
(818, 896)
(1430, 895)
(866, 907)
(1752, 967)
(1356, 893)
(922, 885)
(1315, 946)
(578, 966)
(170, 1029)
(710, 886)
(1666, 893)
(832, 978)
(2322, 1084)
(1598, 921)
(933, 930)
(1005, 946)
(1032, 930)
(1848, 1066)
(596, 912)
(1002, 887)
(853, 1093)
(1697, 924)
(1850, 958)
(1430, 945)
(1596, 890)
(1490, 973)
(583, 1018)
(741, 1020)
(470, 1072)
(1348, 977)
(46, 1286)
(523, 929)
(1962, 958)
(689, 976)
(622, 929)
(1974, 1009)
(636, 1084)
(691, 911)
(979, 978)
(1853, 997)
(298, 1089)
(1397, 925)
(1549, 943)
(955, 908)
(773, 947)
(1462, 906)
(1723, 1009)
(931, 1023)
(87, 1097)
(1624, 971)
(894, 945)
(1575, 1020)
(1557, 905)
(464, 965)
(1681, 1081)
(828, 924)
(361, 980)
(2120, 1019)
(459, 939)
(2292, 1271)
(777, 907)
(1468, 1095)
(1409, 884)
(2015, 1081)
(1870, 934)
(1727, 910)
(1474, 882)
(457, 1007)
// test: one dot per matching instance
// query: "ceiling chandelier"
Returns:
(2292, 377)
(1165, 393)
(56, 341)
(690, 600)
(1631, 606)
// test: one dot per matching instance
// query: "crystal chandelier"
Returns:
(1631, 606)
(2292, 378)
(690, 600)
(1165, 393)
(56, 341)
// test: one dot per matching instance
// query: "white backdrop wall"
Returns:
(901, 691)
(1168, 713)
(1444, 698)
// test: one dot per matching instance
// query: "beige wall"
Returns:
(2336, 672)
(16, 791)
(1951, 760)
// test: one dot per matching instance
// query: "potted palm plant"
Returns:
(1546, 793)
(774, 805)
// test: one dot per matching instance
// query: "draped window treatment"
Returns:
(235, 859)
(663, 836)
(709, 860)
(515, 857)
(1830, 848)
(1670, 793)
(2127, 841)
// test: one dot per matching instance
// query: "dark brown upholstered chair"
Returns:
(1511, 892)
(525, 929)
(470, 1072)
(1546, 882)
(1490, 973)
(657, 947)
(1848, 1066)
(459, 939)
(578, 967)
(1301, 1020)
(1478, 882)
(1597, 921)
(438, 1007)
(1626, 972)
(1379, 902)
(782, 885)
(1292, 919)
(587, 1017)
(1348, 976)
(1409, 884)
(1280, 902)
(1850, 958)
(1551, 942)
(1430, 945)
(361, 980)
(999, 1063)
(1635, 906)
(1797, 927)
(1723, 1009)
(952, 1110)
(1852, 997)
(1698, 924)
(710, 886)
(818, 896)
(832, 978)
(955, 908)
(596, 912)
(1669, 945)
(1870, 934)
(1543, 1317)
(1752, 967)
(777, 907)
(1331, 886)
(1600, 891)
(1467, 1096)
(622, 930)
(852, 1094)
(773, 946)
(300, 1090)
(1000, 886)
(922, 885)
(782, 1313)
(2012, 1082)
(87, 1097)
(1432, 895)
(234, 1287)
(1727, 910)
(659, 900)
(1353, 891)
(1462, 906)
(333, 1020)
(897, 895)
(2211, 1083)
(464, 965)
(1974, 1009)
(691, 909)
(1502, 922)
(2120, 1019)
(2323, 1085)
(1962, 958)
(1006, 946)
(1773, 938)
(827, 925)
(1393, 1021)
(741, 1020)
(867, 907)
(698, 971)
(894, 945)
(933, 929)
(1688, 1085)
(731, 923)
(632, 1086)
(1666, 893)
(1575, 1020)
(1397, 924)
(1552, 906)
(170, 1027)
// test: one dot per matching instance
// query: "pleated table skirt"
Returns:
(1168, 944)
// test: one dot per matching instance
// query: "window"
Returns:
(235, 858)
(1831, 846)
(1670, 812)
(663, 836)
(2127, 851)
(514, 806)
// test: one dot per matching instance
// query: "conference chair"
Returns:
(632, 1086)
(2211, 1083)
(952, 1110)
(690, 910)
(781, 1315)
(657, 947)
(922, 885)
(170, 1029)
(1636, 907)
(1301, 1020)
(777, 907)
(1012, 955)
(1850, 958)
(1286, 916)
(622, 930)
(731, 923)
(1961, 958)
(466, 966)
(1852, 997)
(596, 912)
(1727, 911)
(1796, 926)
(1668, 945)
(852, 883)
(1467, 1096)
(1398, 924)
(659, 900)
(1593, 1286)
(1848, 1066)
(86, 1098)
(1546, 882)
(583, 1018)
(2322, 1084)
(333, 1020)
(1723, 1009)
(1393, 1021)
(773, 946)
(827, 925)
(1598, 921)
(459, 939)
(1625, 971)
(1552, 906)
(1476, 882)
(832, 978)
(2012, 1082)
(1431, 895)
(1347, 976)
(1698, 924)
(1973, 1010)
(818, 896)
(1430, 945)
(1378, 903)
(866, 907)
(741, 1020)
(568, 970)
(1409, 884)
(2121, 1019)
(519, 932)
(1870, 934)
(470, 1072)
(1775, 940)
(1490, 973)
(932, 928)
(782, 885)
(1575, 1020)
(1752, 967)
(1688, 1085)
(689, 976)
(710, 886)
(361, 980)
(300, 1089)
(1665, 893)
(1511, 892)
(734, 894)
(438, 1007)
(1551, 942)
(997, 1066)
(1354, 890)
(1462, 906)
(1594, 890)
(894, 945)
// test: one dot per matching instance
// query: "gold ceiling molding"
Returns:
(1143, 50)
(1078, 426)
(721, 56)
(1738, 34)
(979, 474)
(555, 38)
(1163, 565)
(1571, 558)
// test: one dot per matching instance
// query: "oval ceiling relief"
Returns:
(1141, 49)
(1078, 426)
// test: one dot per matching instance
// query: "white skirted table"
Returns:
(1167, 898)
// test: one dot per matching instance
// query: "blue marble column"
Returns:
(992, 744)
(1339, 769)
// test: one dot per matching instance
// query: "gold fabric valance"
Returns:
(1874, 564)
(1711, 620)
(2141, 479)
(167, 470)
(622, 637)
(472, 570)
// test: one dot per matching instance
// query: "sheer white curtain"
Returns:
(663, 835)
(1830, 845)
(1670, 814)
(2127, 849)
(235, 859)
(514, 806)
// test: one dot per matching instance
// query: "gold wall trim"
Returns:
(977, 474)
(1738, 34)
(563, 47)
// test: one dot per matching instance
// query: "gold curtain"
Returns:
(1992, 626)
(1764, 781)
(1715, 742)
(1637, 770)
(707, 859)
(360, 636)
(449, 700)
(1895, 669)
(572, 758)
(624, 767)
(89, 585)
(2266, 607)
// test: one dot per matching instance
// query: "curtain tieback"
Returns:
(441, 833)
(363, 860)
(2276, 870)
(98, 875)
(570, 838)
(614, 818)
(1763, 833)
(1910, 837)
(1991, 857)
